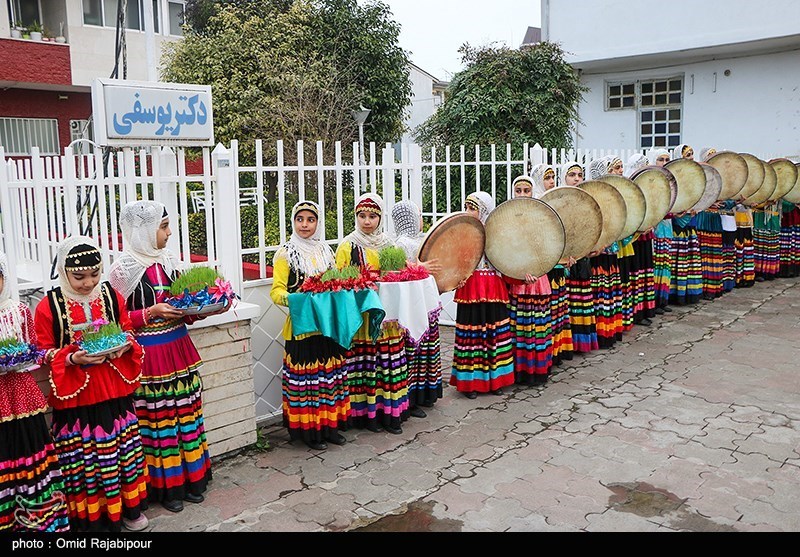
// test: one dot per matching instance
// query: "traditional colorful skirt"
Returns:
(728, 252)
(790, 243)
(483, 356)
(662, 262)
(745, 255)
(170, 411)
(377, 378)
(531, 323)
(581, 307)
(686, 285)
(31, 487)
(607, 290)
(559, 315)
(425, 365)
(645, 294)
(102, 462)
(709, 236)
(316, 402)
(625, 260)
(766, 243)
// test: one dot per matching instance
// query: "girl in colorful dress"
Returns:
(745, 251)
(790, 240)
(529, 315)
(424, 359)
(544, 179)
(483, 356)
(626, 256)
(30, 476)
(94, 420)
(687, 268)
(662, 245)
(709, 236)
(377, 372)
(579, 283)
(169, 400)
(645, 303)
(766, 239)
(316, 403)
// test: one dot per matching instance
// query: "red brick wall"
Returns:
(26, 61)
(28, 103)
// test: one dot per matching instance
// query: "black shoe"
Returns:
(337, 439)
(192, 498)
(172, 505)
(667, 309)
(374, 428)
(646, 322)
(497, 392)
(317, 445)
(394, 430)
(417, 412)
(471, 394)
(427, 404)
(659, 311)
(760, 279)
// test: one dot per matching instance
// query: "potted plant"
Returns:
(36, 30)
(61, 38)
(16, 31)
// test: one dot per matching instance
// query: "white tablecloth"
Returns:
(409, 304)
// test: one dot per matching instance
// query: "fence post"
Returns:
(168, 192)
(71, 192)
(537, 155)
(389, 191)
(226, 203)
(42, 245)
(8, 228)
(415, 187)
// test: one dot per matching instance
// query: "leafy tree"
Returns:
(508, 96)
(294, 69)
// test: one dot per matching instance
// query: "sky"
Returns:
(433, 30)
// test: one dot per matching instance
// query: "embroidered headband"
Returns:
(83, 258)
(368, 206)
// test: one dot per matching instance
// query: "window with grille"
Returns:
(660, 108)
(18, 135)
(104, 14)
(80, 129)
(620, 96)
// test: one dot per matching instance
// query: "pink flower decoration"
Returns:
(224, 288)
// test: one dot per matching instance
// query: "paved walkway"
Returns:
(692, 424)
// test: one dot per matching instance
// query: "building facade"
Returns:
(45, 81)
(718, 73)
(427, 94)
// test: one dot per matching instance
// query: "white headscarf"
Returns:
(140, 221)
(407, 218)
(486, 205)
(636, 162)
(64, 248)
(599, 167)
(11, 320)
(309, 256)
(484, 202)
(677, 152)
(537, 175)
(706, 153)
(565, 168)
(655, 153)
(378, 239)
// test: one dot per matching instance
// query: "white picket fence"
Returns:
(45, 198)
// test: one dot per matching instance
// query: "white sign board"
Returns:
(151, 113)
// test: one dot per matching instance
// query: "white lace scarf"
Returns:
(140, 222)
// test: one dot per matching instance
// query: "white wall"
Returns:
(756, 109)
(423, 104)
(599, 29)
(92, 49)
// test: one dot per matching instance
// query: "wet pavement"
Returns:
(689, 425)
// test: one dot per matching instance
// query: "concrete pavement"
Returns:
(691, 424)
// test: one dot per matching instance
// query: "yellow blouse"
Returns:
(344, 251)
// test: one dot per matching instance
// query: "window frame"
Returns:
(161, 7)
(621, 84)
(42, 150)
(668, 107)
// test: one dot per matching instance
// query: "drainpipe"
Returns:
(545, 20)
